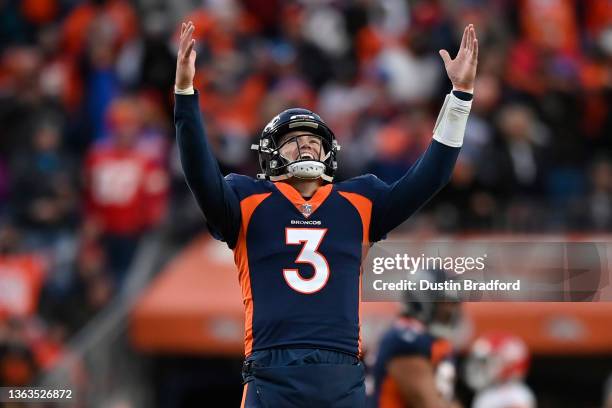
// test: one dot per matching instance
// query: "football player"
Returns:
(415, 364)
(298, 236)
(495, 369)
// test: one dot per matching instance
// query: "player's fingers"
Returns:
(189, 32)
(186, 39)
(470, 38)
(464, 38)
(475, 53)
(189, 49)
(183, 42)
(182, 29)
(445, 56)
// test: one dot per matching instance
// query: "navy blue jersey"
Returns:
(409, 337)
(299, 260)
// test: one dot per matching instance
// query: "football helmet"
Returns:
(275, 167)
(496, 358)
(439, 310)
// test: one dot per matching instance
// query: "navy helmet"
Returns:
(275, 167)
(424, 305)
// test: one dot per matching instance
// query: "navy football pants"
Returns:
(309, 378)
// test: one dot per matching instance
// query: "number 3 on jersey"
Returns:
(311, 238)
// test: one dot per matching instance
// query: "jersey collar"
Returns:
(305, 207)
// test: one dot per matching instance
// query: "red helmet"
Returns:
(496, 358)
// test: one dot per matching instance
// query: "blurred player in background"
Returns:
(495, 369)
(126, 189)
(415, 365)
(302, 331)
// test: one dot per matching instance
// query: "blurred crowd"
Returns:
(88, 163)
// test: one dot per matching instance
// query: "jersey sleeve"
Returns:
(423, 180)
(392, 204)
(213, 192)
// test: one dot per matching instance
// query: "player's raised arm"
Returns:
(212, 192)
(433, 169)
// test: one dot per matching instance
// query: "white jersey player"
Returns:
(495, 369)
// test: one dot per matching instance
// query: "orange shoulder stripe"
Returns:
(364, 208)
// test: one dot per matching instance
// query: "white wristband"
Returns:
(186, 91)
(450, 125)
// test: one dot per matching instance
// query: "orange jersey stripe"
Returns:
(247, 207)
(440, 349)
(244, 394)
(390, 396)
(364, 207)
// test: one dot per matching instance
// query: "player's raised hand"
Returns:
(185, 61)
(462, 70)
